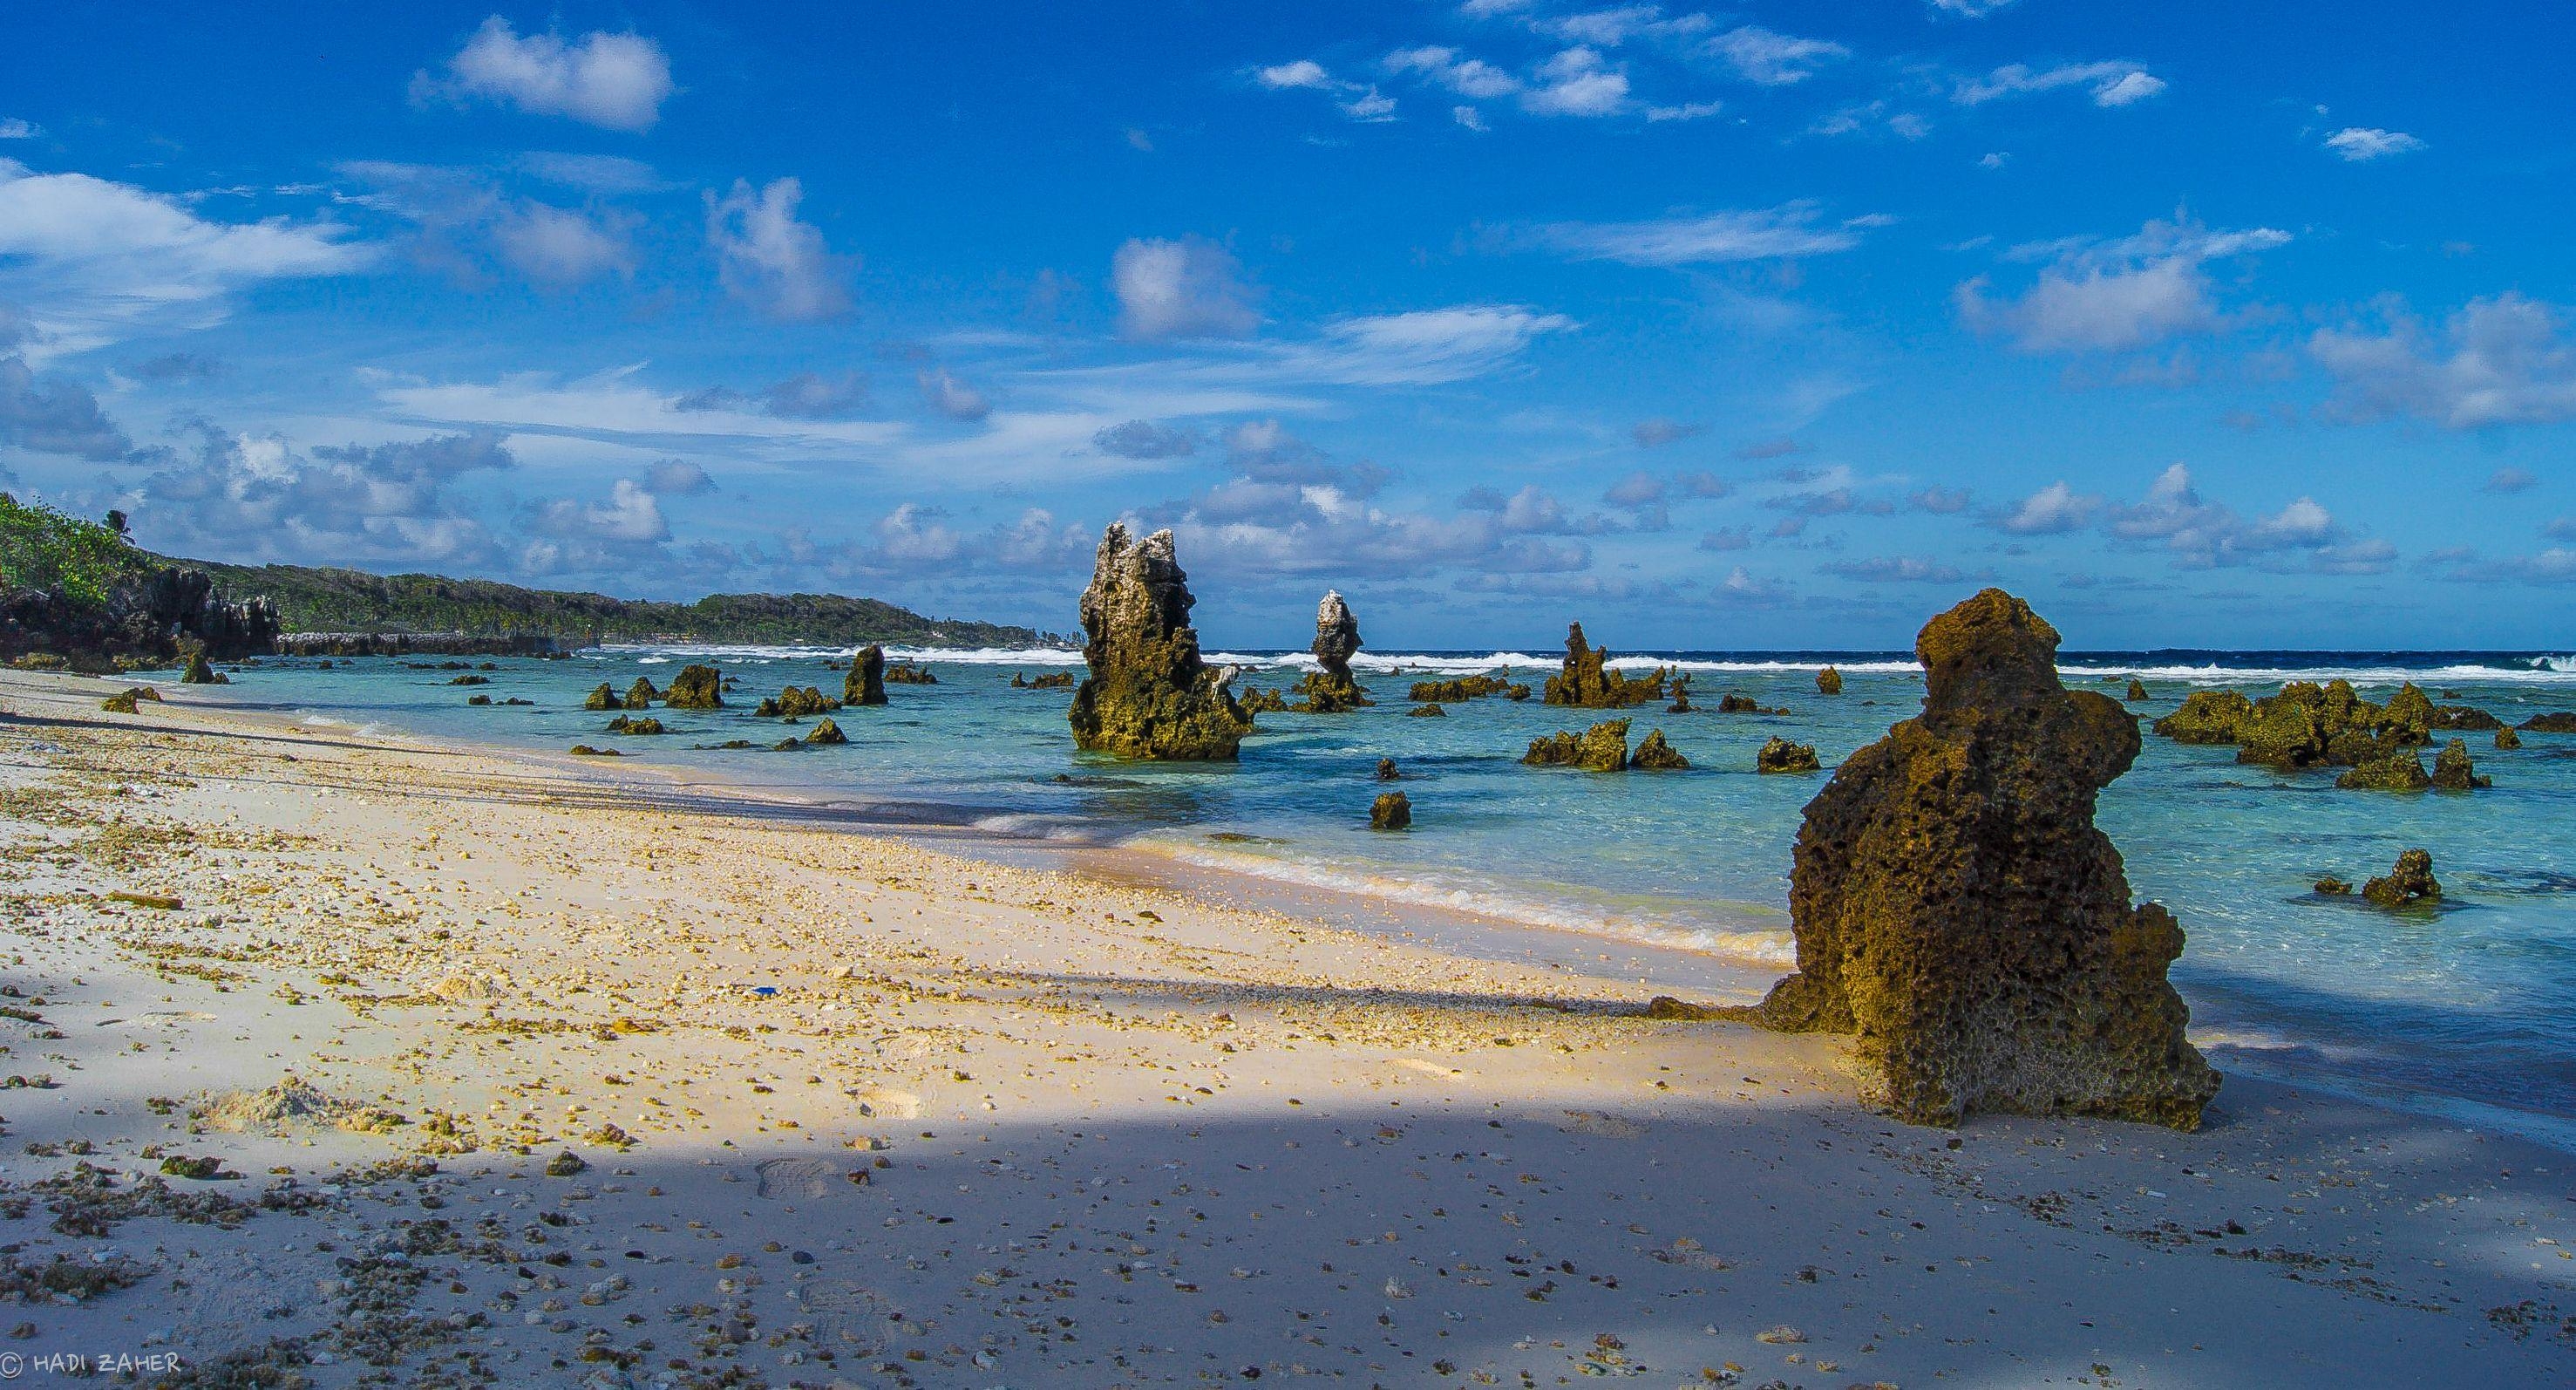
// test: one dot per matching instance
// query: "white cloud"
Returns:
(2113, 296)
(15, 128)
(677, 478)
(2111, 83)
(610, 406)
(1750, 235)
(2360, 143)
(1145, 441)
(1426, 346)
(614, 81)
(1773, 59)
(1896, 569)
(2500, 361)
(1687, 111)
(945, 393)
(1469, 117)
(1576, 82)
(1970, 9)
(1190, 288)
(255, 498)
(1305, 72)
(1468, 77)
(2200, 534)
(555, 246)
(769, 259)
(630, 516)
(91, 259)
(2053, 510)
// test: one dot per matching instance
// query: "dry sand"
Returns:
(842, 1110)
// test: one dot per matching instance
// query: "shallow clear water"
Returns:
(2463, 1010)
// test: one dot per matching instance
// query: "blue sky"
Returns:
(1713, 328)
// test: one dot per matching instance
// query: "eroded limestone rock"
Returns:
(2408, 882)
(1780, 755)
(1959, 915)
(1391, 811)
(1829, 681)
(1586, 684)
(1149, 695)
(696, 687)
(1601, 748)
(1337, 639)
(865, 685)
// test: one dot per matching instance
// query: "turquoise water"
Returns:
(2463, 1010)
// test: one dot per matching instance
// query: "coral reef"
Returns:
(1601, 748)
(1586, 683)
(1474, 687)
(1959, 915)
(1780, 755)
(2408, 882)
(1148, 694)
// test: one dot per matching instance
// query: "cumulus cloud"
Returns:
(1755, 234)
(51, 415)
(256, 498)
(1773, 59)
(1638, 489)
(2500, 361)
(629, 517)
(1189, 288)
(677, 478)
(1468, 77)
(1357, 100)
(2360, 144)
(944, 392)
(2200, 534)
(1940, 501)
(1576, 82)
(1145, 441)
(1727, 538)
(2110, 83)
(2053, 510)
(613, 81)
(2117, 295)
(1658, 432)
(769, 259)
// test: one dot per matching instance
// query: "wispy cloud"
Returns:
(2114, 295)
(1773, 59)
(1757, 234)
(2360, 144)
(2109, 83)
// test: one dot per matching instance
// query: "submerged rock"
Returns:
(1148, 694)
(2453, 772)
(1047, 680)
(584, 750)
(1780, 755)
(2206, 717)
(1426, 712)
(2507, 740)
(1958, 913)
(2396, 772)
(1391, 811)
(602, 698)
(2409, 881)
(199, 673)
(2334, 887)
(1655, 755)
(2464, 719)
(865, 685)
(1386, 770)
(1829, 681)
(905, 673)
(629, 724)
(1586, 683)
(641, 694)
(1601, 748)
(2138, 691)
(1337, 640)
(696, 687)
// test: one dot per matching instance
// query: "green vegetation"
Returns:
(41, 548)
(337, 600)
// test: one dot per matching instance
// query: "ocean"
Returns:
(2462, 1011)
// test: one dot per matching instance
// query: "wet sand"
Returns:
(530, 1076)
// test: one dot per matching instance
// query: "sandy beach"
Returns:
(510, 1072)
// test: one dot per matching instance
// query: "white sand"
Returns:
(1109, 1135)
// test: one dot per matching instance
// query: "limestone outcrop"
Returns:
(1149, 695)
(641, 694)
(1780, 755)
(1681, 697)
(1337, 639)
(199, 673)
(2408, 882)
(2311, 725)
(2138, 691)
(906, 673)
(1601, 748)
(2453, 772)
(1475, 687)
(696, 687)
(1426, 712)
(1655, 755)
(2506, 740)
(1959, 915)
(1829, 681)
(865, 685)
(1261, 699)
(1391, 811)
(796, 703)
(1387, 772)
(604, 697)
(826, 732)
(2401, 771)
(1586, 683)
(2554, 722)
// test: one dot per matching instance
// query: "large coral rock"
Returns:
(1780, 755)
(604, 697)
(1391, 811)
(199, 673)
(2409, 882)
(2453, 772)
(1586, 684)
(865, 685)
(696, 687)
(1655, 755)
(2402, 770)
(1829, 681)
(1149, 695)
(1337, 639)
(2554, 722)
(641, 694)
(797, 702)
(1601, 748)
(1957, 912)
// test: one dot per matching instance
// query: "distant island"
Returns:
(82, 591)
